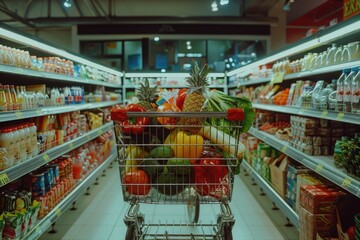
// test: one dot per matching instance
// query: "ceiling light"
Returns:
(231, 60)
(189, 47)
(224, 2)
(68, 3)
(214, 6)
(156, 39)
(163, 70)
(188, 42)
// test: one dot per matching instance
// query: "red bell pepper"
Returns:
(137, 182)
(211, 176)
(130, 126)
(181, 98)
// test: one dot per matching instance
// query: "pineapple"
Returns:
(146, 95)
(195, 99)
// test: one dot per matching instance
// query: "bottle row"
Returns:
(342, 95)
(29, 97)
(23, 59)
(334, 55)
(28, 199)
(23, 141)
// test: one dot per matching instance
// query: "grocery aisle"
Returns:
(100, 215)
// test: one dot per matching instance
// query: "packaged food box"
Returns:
(321, 141)
(278, 170)
(305, 179)
(319, 198)
(313, 224)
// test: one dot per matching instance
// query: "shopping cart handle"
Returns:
(235, 114)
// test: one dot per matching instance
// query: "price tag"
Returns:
(58, 212)
(38, 231)
(46, 158)
(20, 70)
(71, 146)
(319, 168)
(278, 77)
(19, 115)
(340, 116)
(100, 131)
(283, 149)
(324, 114)
(346, 183)
(4, 179)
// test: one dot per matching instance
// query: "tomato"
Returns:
(181, 98)
(351, 233)
(137, 182)
(169, 122)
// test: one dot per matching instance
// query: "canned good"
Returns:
(37, 184)
(27, 198)
(48, 179)
(10, 203)
(56, 173)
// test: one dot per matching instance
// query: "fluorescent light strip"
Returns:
(46, 48)
(174, 75)
(353, 27)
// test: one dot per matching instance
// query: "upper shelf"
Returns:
(168, 75)
(330, 115)
(14, 35)
(17, 115)
(174, 86)
(38, 75)
(322, 38)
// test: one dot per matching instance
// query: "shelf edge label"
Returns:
(319, 168)
(4, 179)
(346, 182)
(46, 158)
(58, 212)
(19, 115)
(340, 116)
(283, 149)
(324, 114)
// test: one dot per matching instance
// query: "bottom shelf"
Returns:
(66, 203)
(278, 200)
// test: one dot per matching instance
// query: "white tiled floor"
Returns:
(100, 215)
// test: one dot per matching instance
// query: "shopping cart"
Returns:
(167, 164)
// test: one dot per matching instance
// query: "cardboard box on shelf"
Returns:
(312, 225)
(278, 170)
(319, 199)
(305, 179)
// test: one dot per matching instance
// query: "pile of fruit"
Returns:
(168, 153)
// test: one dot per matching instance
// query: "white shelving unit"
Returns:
(323, 165)
(23, 76)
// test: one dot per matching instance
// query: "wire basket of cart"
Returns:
(178, 163)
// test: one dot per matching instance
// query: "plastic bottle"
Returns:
(14, 98)
(340, 89)
(347, 89)
(27, 140)
(26, 104)
(33, 136)
(20, 98)
(22, 143)
(16, 136)
(3, 101)
(7, 141)
(355, 94)
(8, 98)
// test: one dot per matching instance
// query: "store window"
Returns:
(133, 56)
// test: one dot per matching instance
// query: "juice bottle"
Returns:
(14, 98)
(17, 141)
(340, 89)
(20, 98)
(355, 94)
(3, 101)
(7, 141)
(33, 134)
(347, 89)
(8, 98)
(22, 143)
(26, 101)
(27, 140)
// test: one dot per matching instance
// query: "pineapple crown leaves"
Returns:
(198, 77)
(145, 92)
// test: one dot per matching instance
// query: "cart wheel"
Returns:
(227, 232)
(131, 232)
(193, 208)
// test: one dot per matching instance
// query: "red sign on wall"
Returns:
(350, 8)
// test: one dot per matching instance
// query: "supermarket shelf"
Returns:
(292, 76)
(171, 86)
(23, 168)
(17, 115)
(323, 70)
(53, 76)
(66, 203)
(323, 165)
(330, 115)
(276, 198)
